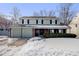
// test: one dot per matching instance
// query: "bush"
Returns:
(59, 35)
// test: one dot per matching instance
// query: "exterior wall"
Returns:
(4, 32)
(39, 21)
(60, 31)
(58, 21)
(32, 21)
(45, 20)
(53, 21)
(73, 29)
(33, 32)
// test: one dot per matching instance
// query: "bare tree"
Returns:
(44, 13)
(41, 13)
(15, 14)
(51, 13)
(35, 13)
(66, 13)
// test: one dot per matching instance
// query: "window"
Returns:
(36, 21)
(1, 29)
(64, 30)
(50, 21)
(22, 21)
(56, 31)
(55, 21)
(51, 31)
(42, 21)
(28, 21)
(76, 25)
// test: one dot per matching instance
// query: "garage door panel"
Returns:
(15, 32)
(27, 32)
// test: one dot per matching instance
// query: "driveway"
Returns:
(63, 43)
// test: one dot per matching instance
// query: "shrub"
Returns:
(61, 35)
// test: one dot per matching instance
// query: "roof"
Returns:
(4, 22)
(75, 20)
(45, 26)
(49, 27)
(38, 17)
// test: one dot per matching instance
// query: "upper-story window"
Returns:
(55, 21)
(28, 21)
(36, 21)
(42, 21)
(50, 21)
(22, 21)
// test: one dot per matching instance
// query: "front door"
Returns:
(39, 32)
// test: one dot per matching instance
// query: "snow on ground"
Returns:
(3, 37)
(51, 47)
(44, 47)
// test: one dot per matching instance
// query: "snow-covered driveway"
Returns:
(64, 43)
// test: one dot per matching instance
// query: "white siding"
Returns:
(32, 21)
(53, 21)
(45, 20)
(39, 21)
(60, 31)
(25, 21)
(52, 31)
(58, 21)
(20, 21)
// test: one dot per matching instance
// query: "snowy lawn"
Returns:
(44, 47)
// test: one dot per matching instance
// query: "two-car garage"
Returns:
(21, 32)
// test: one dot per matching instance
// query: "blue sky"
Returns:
(27, 9)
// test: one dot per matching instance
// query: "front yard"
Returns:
(43, 47)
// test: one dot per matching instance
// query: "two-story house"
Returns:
(30, 26)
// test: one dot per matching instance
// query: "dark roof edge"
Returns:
(38, 17)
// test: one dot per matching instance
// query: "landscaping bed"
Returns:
(59, 35)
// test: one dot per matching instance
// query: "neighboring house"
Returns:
(30, 26)
(4, 26)
(74, 26)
